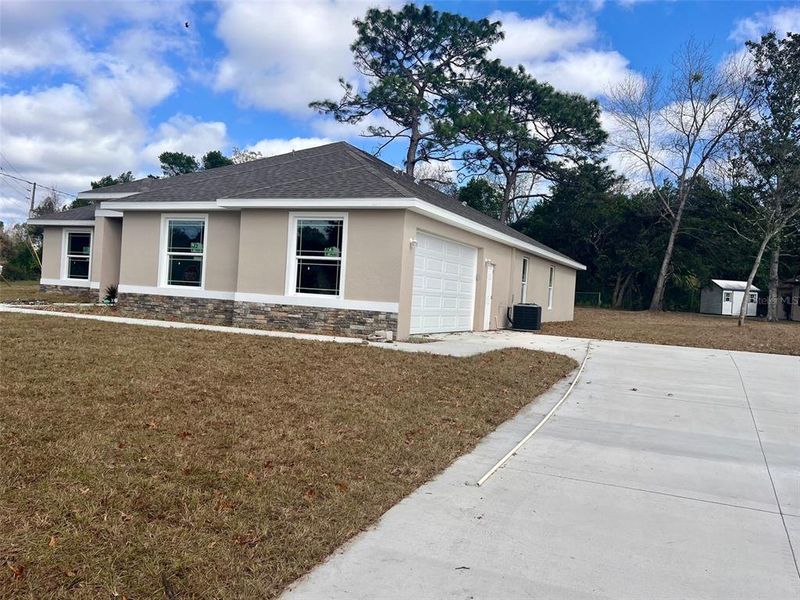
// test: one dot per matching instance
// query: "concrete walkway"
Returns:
(668, 473)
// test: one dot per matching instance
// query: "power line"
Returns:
(46, 187)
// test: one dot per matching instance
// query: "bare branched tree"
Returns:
(767, 164)
(674, 128)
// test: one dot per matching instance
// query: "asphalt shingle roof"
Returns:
(336, 170)
(82, 213)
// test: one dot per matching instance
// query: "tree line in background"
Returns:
(707, 157)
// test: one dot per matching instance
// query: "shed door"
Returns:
(443, 297)
(727, 302)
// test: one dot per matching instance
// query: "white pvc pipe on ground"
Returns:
(541, 423)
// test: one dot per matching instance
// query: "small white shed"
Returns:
(725, 297)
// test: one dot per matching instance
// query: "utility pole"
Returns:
(33, 197)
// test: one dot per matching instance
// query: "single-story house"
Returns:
(725, 297)
(327, 240)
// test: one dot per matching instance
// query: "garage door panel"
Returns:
(444, 285)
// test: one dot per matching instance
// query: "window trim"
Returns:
(551, 284)
(290, 287)
(163, 255)
(65, 247)
(752, 297)
(526, 269)
(727, 293)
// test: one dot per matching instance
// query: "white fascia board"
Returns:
(104, 195)
(82, 283)
(316, 203)
(160, 206)
(107, 213)
(445, 216)
(321, 302)
(61, 222)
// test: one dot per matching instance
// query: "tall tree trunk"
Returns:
(411, 153)
(615, 293)
(620, 289)
(753, 271)
(508, 193)
(773, 312)
(657, 303)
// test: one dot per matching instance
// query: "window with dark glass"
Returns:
(318, 256)
(79, 250)
(185, 252)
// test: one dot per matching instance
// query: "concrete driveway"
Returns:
(668, 473)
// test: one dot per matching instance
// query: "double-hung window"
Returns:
(185, 251)
(551, 279)
(318, 255)
(523, 296)
(78, 254)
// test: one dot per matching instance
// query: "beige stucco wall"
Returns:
(262, 251)
(372, 254)
(141, 247)
(106, 246)
(222, 251)
(506, 286)
(246, 251)
(52, 243)
(53, 248)
(141, 233)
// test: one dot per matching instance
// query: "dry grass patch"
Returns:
(28, 291)
(681, 329)
(152, 463)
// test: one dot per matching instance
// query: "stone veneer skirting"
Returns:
(85, 294)
(278, 317)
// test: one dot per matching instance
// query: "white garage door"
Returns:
(444, 285)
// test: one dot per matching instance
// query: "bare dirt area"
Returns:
(681, 329)
(149, 463)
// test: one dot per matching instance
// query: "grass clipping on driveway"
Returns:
(144, 462)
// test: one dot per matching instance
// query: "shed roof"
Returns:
(736, 286)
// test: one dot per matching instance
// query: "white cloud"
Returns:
(780, 21)
(13, 209)
(183, 133)
(67, 134)
(282, 55)
(274, 146)
(561, 52)
(527, 40)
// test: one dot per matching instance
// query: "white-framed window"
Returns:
(77, 254)
(753, 298)
(183, 255)
(523, 294)
(551, 280)
(727, 296)
(316, 255)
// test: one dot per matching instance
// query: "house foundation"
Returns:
(276, 317)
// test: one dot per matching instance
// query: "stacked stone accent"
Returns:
(178, 308)
(310, 319)
(277, 317)
(82, 293)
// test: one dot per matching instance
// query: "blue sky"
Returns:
(90, 88)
